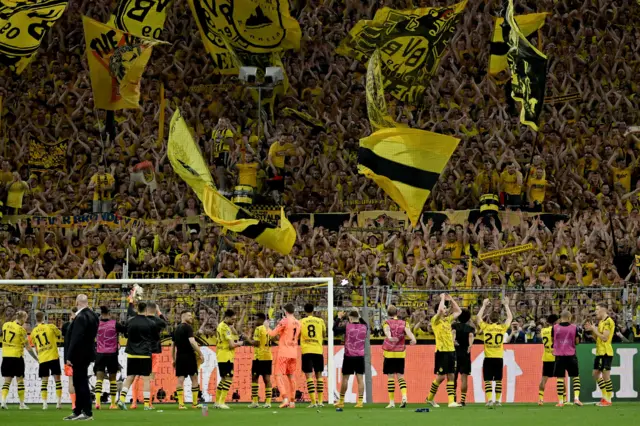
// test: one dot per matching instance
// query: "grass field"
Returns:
(239, 415)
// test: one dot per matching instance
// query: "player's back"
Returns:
(14, 337)
(181, 336)
(442, 331)
(547, 341)
(262, 352)
(45, 338)
(493, 339)
(224, 351)
(312, 335)
(289, 332)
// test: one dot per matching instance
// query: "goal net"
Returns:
(206, 298)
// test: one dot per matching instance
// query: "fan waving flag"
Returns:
(406, 164)
(528, 25)
(186, 160)
(411, 43)
(117, 61)
(528, 68)
(23, 26)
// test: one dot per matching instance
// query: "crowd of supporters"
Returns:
(581, 163)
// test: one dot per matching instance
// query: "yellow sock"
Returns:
(58, 389)
(360, 399)
(255, 388)
(487, 390)
(123, 395)
(5, 390)
(320, 392)
(560, 388)
(98, 391)
(498, 390)
(268, 393)
(113, 390)
(43, 391)
(403, 387)
(341, 398)
(195, 390)
(434, 389)
(311, 389)
(21, 391)
(451, 391)
(541, 395)
(391, 388)
(576, 388)
(147, 398)
(180, 394)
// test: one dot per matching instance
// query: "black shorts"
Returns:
(393, 366)
(445, 363)
(548, 368)
(50, 368)
(107, 363)
(139, 367)
(463, 363)
(492, 369)
(353, 365)
(12, 367)
(261, 368)
(186, 366)
(602, 363)
(225, 369)
(312, 362)
(567, 364)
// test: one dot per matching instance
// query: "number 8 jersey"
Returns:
(312, 335)
(493, 339)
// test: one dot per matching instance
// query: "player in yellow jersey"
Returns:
(311, 344)
(14, 342)
(493, 364)
(225, 351)
(262, 362)
(45, 338)
(603, 335)
(548, 360)
(445, 362)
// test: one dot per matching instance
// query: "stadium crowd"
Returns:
(581, 164)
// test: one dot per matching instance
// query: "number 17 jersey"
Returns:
(312, 335)
(493, 339)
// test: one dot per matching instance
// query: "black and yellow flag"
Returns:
(406, 164)
(144, 18)
(528, 68)
(45, 156)
(315, 123)
(116, 63)
(376, 104)
(187, 162)
(23, 26)
(528, 25)
(251, 27)
(411, 43)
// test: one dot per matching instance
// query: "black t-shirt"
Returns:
(181, 337)
(462, 336)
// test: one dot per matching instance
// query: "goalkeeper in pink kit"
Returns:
(288, 330)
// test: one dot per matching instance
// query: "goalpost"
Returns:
(208, 298)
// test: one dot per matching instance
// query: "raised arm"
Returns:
(505, 302)
(485, 303)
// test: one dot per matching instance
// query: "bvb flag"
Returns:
(251, 27)
(144, 18)
(23, 26)
(528, 68)
(411, 43)
(528, 25)
(406, 164)
(376, 105)
(187, 162)
(116, 63)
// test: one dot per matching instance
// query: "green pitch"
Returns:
(239, 415)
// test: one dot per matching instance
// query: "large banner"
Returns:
(142, 18)
(522, 372)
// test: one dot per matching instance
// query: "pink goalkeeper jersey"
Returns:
(289, 331)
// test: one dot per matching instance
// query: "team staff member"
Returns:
(355, 336)
(565, 339)
(185, 354)
(548, 359)
(225, 351)
(68, 370)
(14, 342)
(394, 352)
(262, 362)
(464, 335)
(311, 340)
(107, 346)
(445, 358)
(493, 364)
(603, 335)
(45, 338)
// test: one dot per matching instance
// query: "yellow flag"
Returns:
(187, 162)
(185, 157)
(144, 18)
(411, 43)
(376, 104)
(528, 25)
(163, 106)
(406, 164)
(253, 26)
(116, 63)
(468, 284)
(23, 26)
